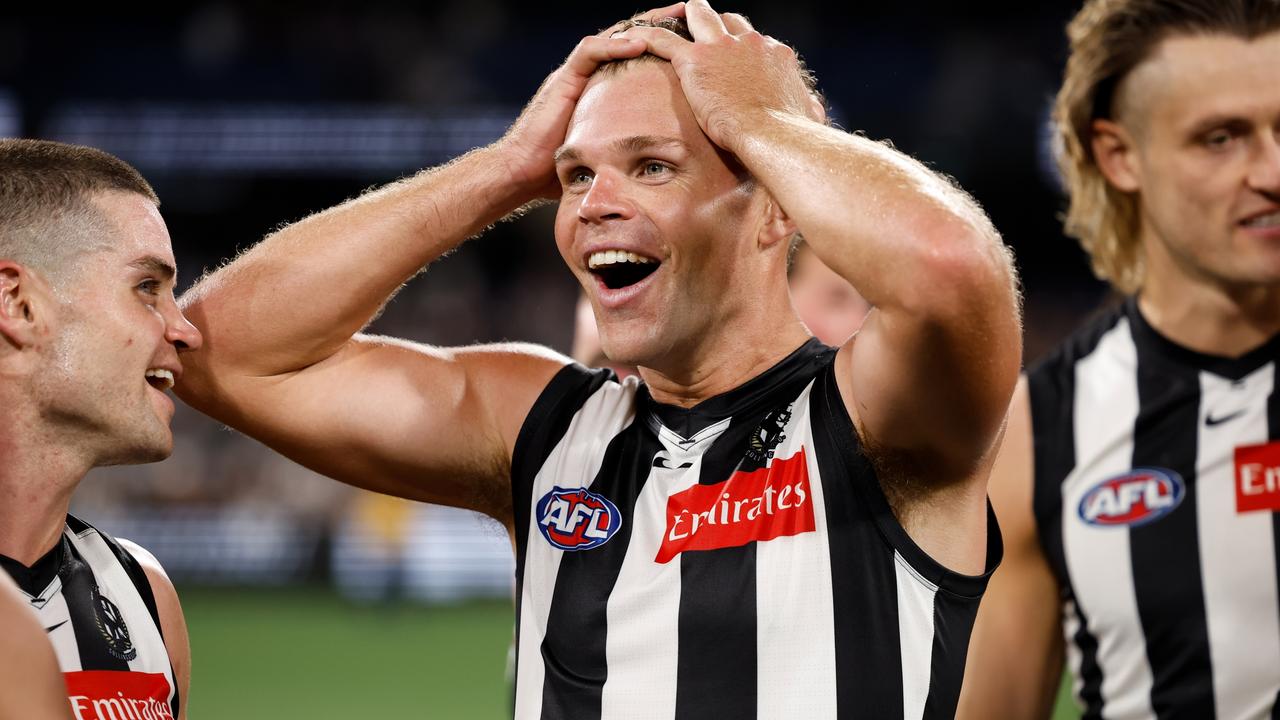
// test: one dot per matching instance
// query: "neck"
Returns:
(37, 478)
(716, 367)
(1206, 314)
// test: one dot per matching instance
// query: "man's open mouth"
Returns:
(620, 268)
(160, 379)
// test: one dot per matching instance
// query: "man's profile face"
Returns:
(118, 334)
(1205, 112)
(642, 182)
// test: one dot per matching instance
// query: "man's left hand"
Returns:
(732, 76)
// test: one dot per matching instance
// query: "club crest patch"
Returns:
(113, 629)
(577, 519)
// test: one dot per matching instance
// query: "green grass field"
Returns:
(308, 654)
(305, 653)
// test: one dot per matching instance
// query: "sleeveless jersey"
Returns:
(96, 604)
(1157, 478)
(733, 560)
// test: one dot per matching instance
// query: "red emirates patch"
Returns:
(118, 695)
(1258, 477)
(763, 504)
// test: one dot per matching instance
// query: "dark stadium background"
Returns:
(246, 116)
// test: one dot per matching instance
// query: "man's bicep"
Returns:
(425, 423)
(932, 389)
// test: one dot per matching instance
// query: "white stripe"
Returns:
(1237, 552)
(795, 631)
(915, 630)
(117, 586)
(1070, 626)
(63, 638)
(642, 643)
(573, 462)
(1097, 558)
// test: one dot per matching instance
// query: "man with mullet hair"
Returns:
(90, 334)
(759, 525)
(1140, 476)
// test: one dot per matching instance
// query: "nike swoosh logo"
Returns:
(55, 627)
(1210, 420)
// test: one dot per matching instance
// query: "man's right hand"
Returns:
(530, 144)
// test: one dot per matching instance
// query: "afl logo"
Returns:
(1138, 497)
(577, 519)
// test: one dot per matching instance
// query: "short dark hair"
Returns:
(680, 27)
(47, 215)
(1109, 38)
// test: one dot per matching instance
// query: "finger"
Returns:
(594, 50)
(704, 23)
(676, 10)
(736, 24)
(659, 41)
(670, 11)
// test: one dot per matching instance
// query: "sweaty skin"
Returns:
(638, 160)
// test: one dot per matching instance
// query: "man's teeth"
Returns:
(1271, 219)
(612, 257)
(163, 375)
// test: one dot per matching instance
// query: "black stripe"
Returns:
(143, 585)
(547, 422)
(953, 618)
(135, 572)
(864, 581)
(716, 666)
(573, 649)
(80, 590)
(1165, 554)
(1051, 387)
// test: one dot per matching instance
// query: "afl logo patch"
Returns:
(577, 519)
(1135, 498)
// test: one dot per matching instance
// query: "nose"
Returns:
(605, 199)
(1264, 171)
(180, 332)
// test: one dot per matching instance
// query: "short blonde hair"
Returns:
(1108, 39)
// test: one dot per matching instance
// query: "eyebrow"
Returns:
(632, 144)
(155, 266)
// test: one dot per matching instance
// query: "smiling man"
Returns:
(90, 334)
(758, 525)
(1138, 481)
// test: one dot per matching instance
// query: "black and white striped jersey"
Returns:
(1157, 478)
(733, 560)
(96, 604)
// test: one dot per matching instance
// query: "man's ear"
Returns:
(22, 304)
(1116, 154)
(777, 227)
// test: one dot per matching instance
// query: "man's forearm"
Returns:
(300, 294)
(878, 218)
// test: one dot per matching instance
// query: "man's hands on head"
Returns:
(529, 146)
(731, 74)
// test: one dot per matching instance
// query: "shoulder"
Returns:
(1052, 375)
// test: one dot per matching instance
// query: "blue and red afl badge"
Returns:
(1138, 497)
(577, 519)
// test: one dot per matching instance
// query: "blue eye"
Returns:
(150, 287)
(655, 168)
